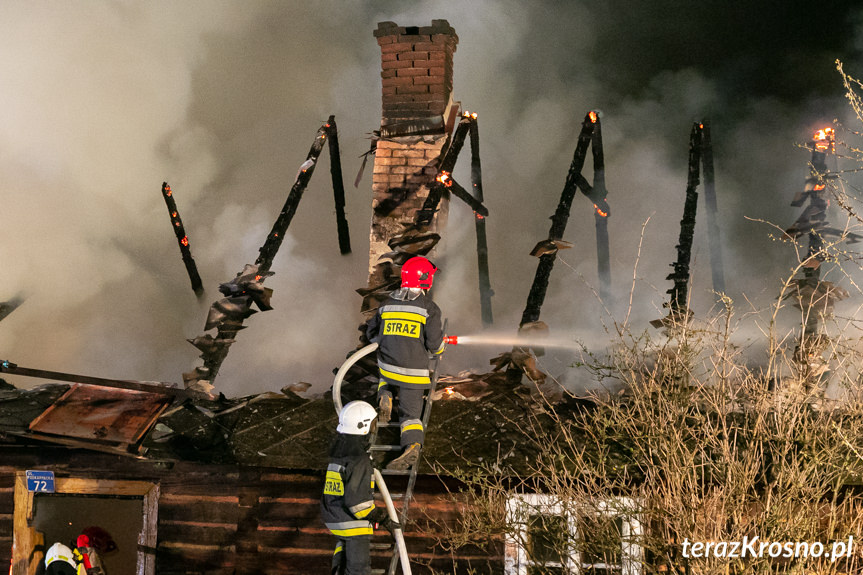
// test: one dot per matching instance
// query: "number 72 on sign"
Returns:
(40, 481)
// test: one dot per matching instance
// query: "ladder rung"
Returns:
(385, 448)
(393, 496)
(377, 571)
(389, 424)
(382, 546)
(395, 472)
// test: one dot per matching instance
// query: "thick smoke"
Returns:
(105, 100)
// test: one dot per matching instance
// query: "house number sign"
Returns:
(40, 481)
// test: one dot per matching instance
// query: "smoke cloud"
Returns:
(103, 101)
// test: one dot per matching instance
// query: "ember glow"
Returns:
(824, 140)
(600, 212)
(185, 240)
(445, 179)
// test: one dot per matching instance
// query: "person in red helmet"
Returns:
(407, 328)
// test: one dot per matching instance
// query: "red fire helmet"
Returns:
(418, 272)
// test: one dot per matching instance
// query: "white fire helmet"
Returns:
(59, 560)
(356, 418)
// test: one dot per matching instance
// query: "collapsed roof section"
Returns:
(476, 419)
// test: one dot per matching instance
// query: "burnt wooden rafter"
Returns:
(182, 240)
(679, 292)
(716, 265)
(445, 168)
(228, 314)
(601, 211)
(338, 186)
(485, 291)
(445, 182)
(538, 289)
(700, 159)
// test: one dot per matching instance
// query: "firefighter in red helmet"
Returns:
(407, 328)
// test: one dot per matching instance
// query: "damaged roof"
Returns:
(474, 419)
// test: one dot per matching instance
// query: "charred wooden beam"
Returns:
(338, 186)
(447, 163)
(462, 194)
(814, 297)
(228, 314)
(164, 389)
(716, 267)
(277, 234)
(485, 291)
(680, 276)
(182, 240)
(538, 289)
(7, 307)
(603, 254)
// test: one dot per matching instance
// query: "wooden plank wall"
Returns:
(228, 520)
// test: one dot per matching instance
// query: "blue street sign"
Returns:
(40, 481)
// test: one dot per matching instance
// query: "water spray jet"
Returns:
(514, 340)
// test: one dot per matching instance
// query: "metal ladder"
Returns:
(404, 497)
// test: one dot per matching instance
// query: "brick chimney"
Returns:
(417, 115)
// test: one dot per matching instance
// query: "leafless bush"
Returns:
(701, 446)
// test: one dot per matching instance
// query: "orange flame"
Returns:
(173, 214)
(185, 240)
(258, 278)
(445, 179)
(474, 116)
(449, 390)
(600, 212)
(824, 139)
(593, 117)
(819, 187)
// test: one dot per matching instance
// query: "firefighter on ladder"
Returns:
(407, 328)
(347, 505)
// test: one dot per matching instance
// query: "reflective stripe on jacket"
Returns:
(348, 494)
(407, 331)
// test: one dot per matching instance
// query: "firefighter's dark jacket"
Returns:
(407, 331)
(348, 497)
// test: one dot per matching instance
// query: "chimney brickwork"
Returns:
(417, 114)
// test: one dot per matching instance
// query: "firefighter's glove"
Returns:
(377, 515)
(390, 525)
(379, 518)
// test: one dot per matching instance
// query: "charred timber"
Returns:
(716, 266)
(447, 163)
(462, 194)
(228, 314)
(165, 389)
(7, 307)
(680, 290)
(338, 186)
(277, 234)
(538, 289)
(182, 240)
(603, 255)
(485, 292)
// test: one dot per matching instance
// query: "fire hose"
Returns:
(379, 479)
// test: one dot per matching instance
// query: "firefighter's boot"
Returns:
(407, 459)
(385, 408)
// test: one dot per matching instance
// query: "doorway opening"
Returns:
(127, 510)
(62, 517)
